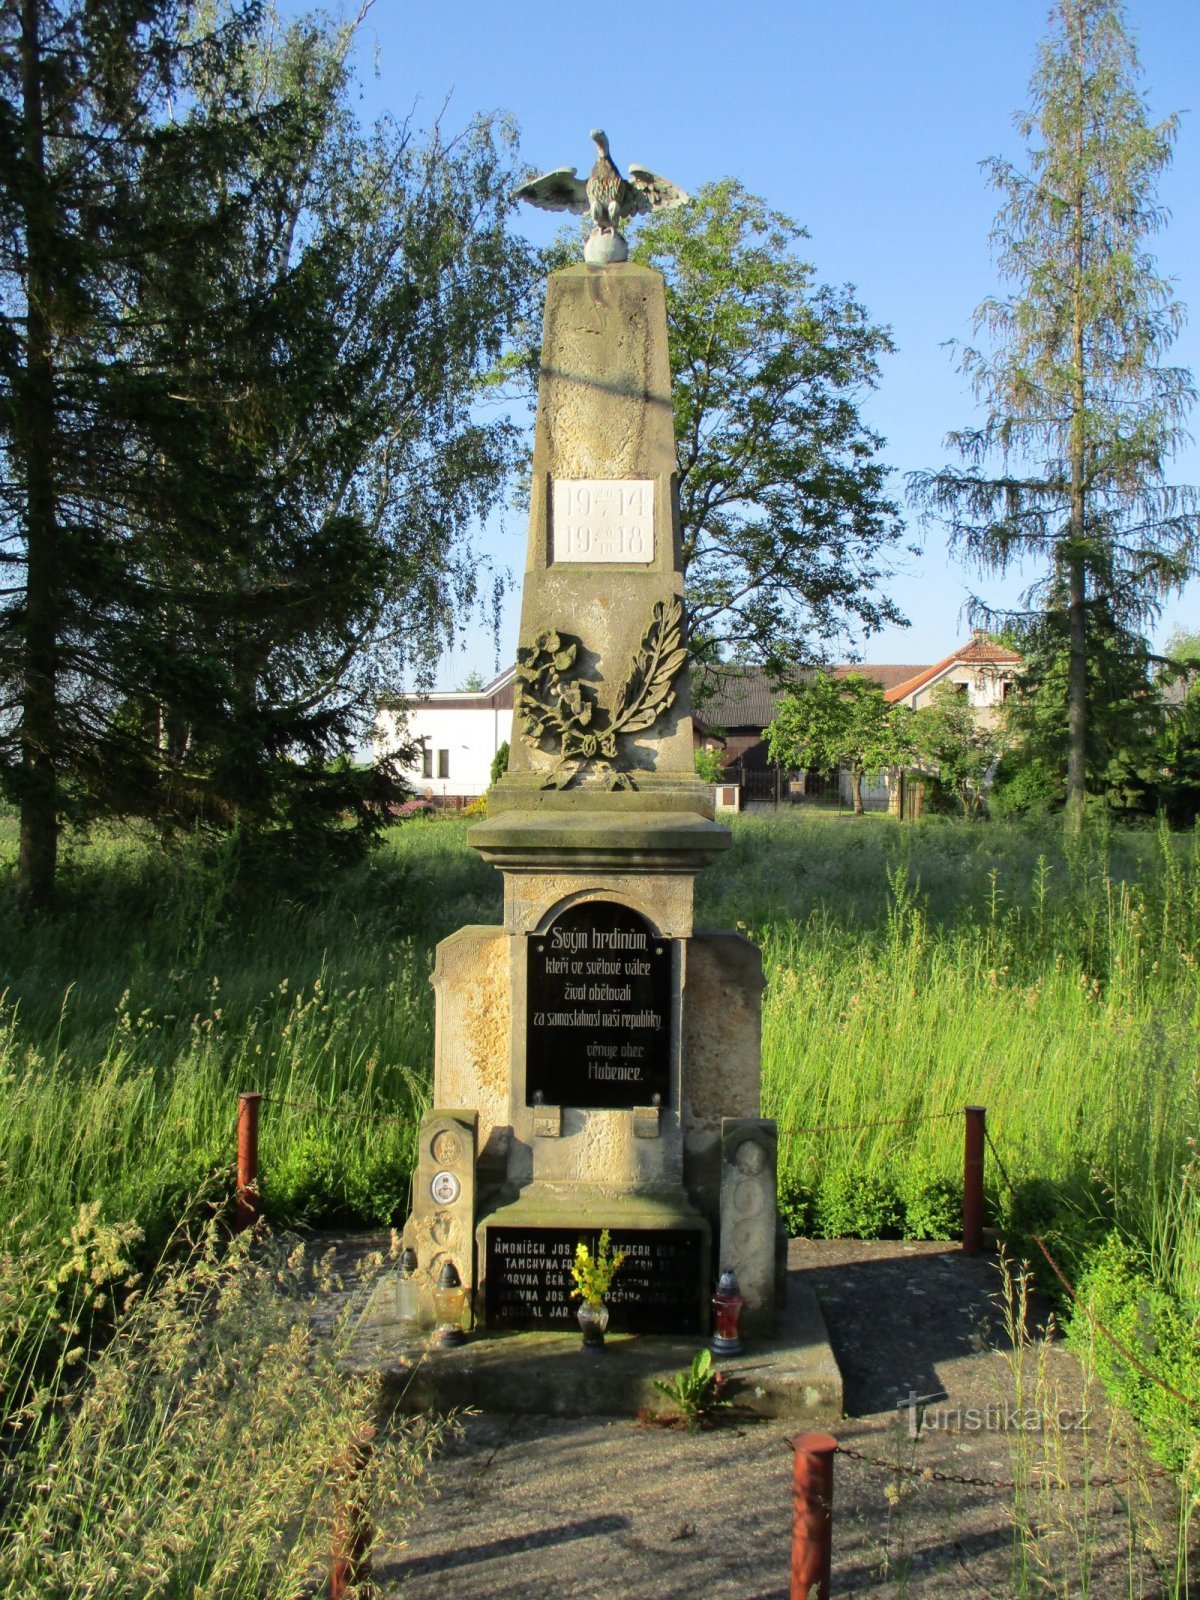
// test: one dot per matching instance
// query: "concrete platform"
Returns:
(793, 1376)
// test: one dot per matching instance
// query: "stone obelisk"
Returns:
(597, 1058)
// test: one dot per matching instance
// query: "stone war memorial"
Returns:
(597, 1056)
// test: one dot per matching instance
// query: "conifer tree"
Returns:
(96, 445)
(240, 344)
(1082, 415)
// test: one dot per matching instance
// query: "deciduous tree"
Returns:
(1081, 413)
(840, 722)
(949, 737)
(787, 521)
(786, 517)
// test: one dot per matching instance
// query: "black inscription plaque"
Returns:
(657, 1289)
(598, 1025)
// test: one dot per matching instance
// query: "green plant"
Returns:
(832, 722)
(499, 763)
(592, 1272)
(858, 1205)
(1119, 1292)
(709, 765)
(911, 969)
(138, 1480)
(696, 1391)
(932, 1201)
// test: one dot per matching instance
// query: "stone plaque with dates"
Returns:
(603, 519)
(657, 1289)
(598, 1019)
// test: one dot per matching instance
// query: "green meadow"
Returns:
(912, 969)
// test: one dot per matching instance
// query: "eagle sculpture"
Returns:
(606, 195)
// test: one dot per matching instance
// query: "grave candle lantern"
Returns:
(407, 1295)
(727, 1308)
(448, 1300)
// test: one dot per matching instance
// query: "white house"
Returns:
(457, 733)
(981, 670)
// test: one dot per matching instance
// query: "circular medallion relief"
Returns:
(750, 1157)
(445, 1188)
(445, 1148)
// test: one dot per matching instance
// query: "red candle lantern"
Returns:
(727, 1306)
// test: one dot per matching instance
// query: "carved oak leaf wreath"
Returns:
(553, 707)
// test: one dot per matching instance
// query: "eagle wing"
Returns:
(559, 190)
(652, 193)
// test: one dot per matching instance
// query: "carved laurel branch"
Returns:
(582, 733)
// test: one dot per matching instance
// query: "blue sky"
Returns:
(865, 120)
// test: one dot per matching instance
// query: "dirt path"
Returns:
(536, 1509)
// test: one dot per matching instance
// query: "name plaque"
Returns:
(657, 1288)
(603, 519)
(598, 1014)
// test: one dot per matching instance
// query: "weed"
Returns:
(696, 1391)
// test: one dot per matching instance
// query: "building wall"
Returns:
(876, 789)
(986, 685)
(460, 738)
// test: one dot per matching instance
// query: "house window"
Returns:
(426, 762)
(443, 763)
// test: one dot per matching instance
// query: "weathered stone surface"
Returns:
(793, 1374)
(602, 651)
(472, 985)
(604, 413)
(722, 1074)
(533, 899)
(748, 1218)
(441, 1225)
(604, 391)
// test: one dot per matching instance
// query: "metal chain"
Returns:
(1191, 1403)
(853, 1127)
(933, 1473)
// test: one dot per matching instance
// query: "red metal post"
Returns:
(247, 1159)
(972, 1224)
(812, 1515)
(353, 1534)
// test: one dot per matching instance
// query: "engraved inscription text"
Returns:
(603, 519)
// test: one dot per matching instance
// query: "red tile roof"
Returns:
(978, 651)
(745, 697)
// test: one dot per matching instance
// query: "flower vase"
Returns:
(593, 1320)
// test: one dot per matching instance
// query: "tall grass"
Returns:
(165, 985)
(206, 1454)
(911, 970)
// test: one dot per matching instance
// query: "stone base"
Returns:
(794, 1375)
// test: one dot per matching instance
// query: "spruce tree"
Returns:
(96, 444)
(240, 342)
(1082, 415)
